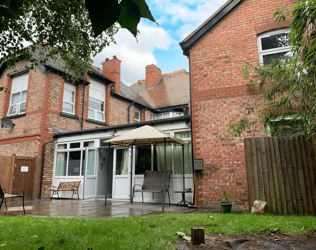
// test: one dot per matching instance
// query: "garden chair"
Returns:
(4, 196)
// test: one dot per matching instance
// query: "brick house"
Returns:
(240, 31)
(47, 109)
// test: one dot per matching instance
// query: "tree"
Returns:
(286, 86)
(67, 31)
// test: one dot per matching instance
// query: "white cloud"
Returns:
(135, 56)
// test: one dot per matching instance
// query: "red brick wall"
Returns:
(217, 89)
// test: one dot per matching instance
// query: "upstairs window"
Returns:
(96, 101)
(274, 45)
(165, 115)
(69, 98)
(18, 94)
(137, 115)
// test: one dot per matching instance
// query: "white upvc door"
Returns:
(121, 173)
(90, 184)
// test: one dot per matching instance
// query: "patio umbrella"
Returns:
(146, 135)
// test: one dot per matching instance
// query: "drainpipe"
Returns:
(83, 100)
(43, 158)
(128, 111)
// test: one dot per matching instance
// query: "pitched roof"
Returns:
(208, 24)
(172, 89)
(131, 94)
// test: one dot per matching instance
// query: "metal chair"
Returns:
(4, 196)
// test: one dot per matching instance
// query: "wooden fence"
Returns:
(282, 172)
(6, 172)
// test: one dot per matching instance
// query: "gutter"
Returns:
(43, 158)
(128, 111)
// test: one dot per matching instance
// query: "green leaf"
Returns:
(130, 16)
(144, 10)
(103, 14)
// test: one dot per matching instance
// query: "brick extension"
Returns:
(217, 90)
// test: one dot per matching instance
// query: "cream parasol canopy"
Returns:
(145, 135)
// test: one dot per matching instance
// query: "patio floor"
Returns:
(66, 208)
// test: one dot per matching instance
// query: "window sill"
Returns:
(69, 116)
(16, 116)
(97, 122)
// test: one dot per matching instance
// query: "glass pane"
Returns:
(88, 144)
(121, 162)
(183, 134)
(95, 104)
(91, 162)
(143, 159)
(158, 116)
(267, 59)
(160, 158)
(100, 116)
(61, 164)
(153, 117)
(13, 109)
(74, 163)
(178, 166)
(275, 41)
(176, 114)
(166, 115)
(67, 107)
(22, 107)
(62, 146)
(69, 96)
(136, 114)
(15, 98)
(75, 145)
(91, 114)
(23, 98)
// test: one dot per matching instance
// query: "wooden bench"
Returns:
(153, 183)
(72, 186)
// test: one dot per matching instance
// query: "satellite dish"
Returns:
(6, 123)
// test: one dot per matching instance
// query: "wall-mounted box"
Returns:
(198, 164)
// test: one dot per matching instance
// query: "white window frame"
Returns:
(271, 51)
(96, 111)
(137, 111)
(289, 117)
(68, 150)
(71, 88)
(19, 103)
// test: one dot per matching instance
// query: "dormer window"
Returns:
(274, 45)
(18, 95)
(69, 98)
(96, 101)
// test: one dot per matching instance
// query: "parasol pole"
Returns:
(183, 194)
(131, 189)
(107, 171)
(164, 178)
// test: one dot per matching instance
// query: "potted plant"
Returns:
(226, 203)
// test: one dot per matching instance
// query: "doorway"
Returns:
(105, 172)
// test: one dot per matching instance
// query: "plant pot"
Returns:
(226, 207)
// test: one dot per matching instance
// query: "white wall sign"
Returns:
(24, 168)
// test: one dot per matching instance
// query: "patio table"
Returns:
(184, 202)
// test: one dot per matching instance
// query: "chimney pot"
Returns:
(114, 57)
(107, 59)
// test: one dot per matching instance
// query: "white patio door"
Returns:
(121, 173)
(90, 184)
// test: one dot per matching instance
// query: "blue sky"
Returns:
(159, 44)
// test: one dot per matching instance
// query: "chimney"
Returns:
(153, 75)
(112, 70)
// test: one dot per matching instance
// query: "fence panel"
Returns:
(282, 171)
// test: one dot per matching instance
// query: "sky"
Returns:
(158, 44)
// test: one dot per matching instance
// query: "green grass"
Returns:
(146, 232)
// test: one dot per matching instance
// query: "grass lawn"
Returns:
(146, 232)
